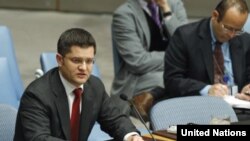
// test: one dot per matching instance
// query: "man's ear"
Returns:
(215, 15)
(59, 59)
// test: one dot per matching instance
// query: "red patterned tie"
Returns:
(218, 63)
(75, 115)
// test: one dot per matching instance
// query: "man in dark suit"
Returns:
(50, 111)
(190, 59)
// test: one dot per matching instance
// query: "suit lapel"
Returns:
(236, 52)
(206, 48)
(63, 109)
(87, 111)
(64, 114)
(135, 6)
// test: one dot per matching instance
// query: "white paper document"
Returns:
(172, 129)
(237, 103)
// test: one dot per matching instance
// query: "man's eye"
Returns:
(77, 61)
(89, 61)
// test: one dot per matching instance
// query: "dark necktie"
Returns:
(218, 63)
(75, 115)
(155, 16)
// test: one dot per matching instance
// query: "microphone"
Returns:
(131, 103)
(38, 73)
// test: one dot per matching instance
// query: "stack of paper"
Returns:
(237, 103)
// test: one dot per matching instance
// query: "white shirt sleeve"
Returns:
(129, 134)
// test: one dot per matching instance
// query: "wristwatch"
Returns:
(167, 14)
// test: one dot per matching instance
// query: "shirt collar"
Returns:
(69, 88)
(212, 32)
(144, 6)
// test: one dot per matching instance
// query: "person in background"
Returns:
(65, 103)
(141, 30)
(211, 56)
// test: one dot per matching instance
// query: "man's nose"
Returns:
(83, 65)
(232, 34)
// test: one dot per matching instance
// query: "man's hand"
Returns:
(135, 138)
(218, 90)
(244, 94)
(246, 89)
(163, 4)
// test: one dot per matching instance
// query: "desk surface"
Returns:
(161, 135)
(157, 138)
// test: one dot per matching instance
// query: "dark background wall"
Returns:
(195, 8)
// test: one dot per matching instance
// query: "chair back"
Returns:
(7, 122)
(7, 50)
(8, 92)
(48, 61)
(189, 109)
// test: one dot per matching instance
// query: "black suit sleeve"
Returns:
(182, 65)
(33, 120)
(110, 118)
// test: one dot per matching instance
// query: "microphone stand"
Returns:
(141, 119)
(124, 97)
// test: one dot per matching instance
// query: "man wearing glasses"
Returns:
(195, 66)
(65, 103)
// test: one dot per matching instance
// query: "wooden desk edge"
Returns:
(158, 138)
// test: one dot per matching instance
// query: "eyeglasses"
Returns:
(80, 61)
(228, 29)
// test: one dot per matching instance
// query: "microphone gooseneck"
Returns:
(125, 98)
